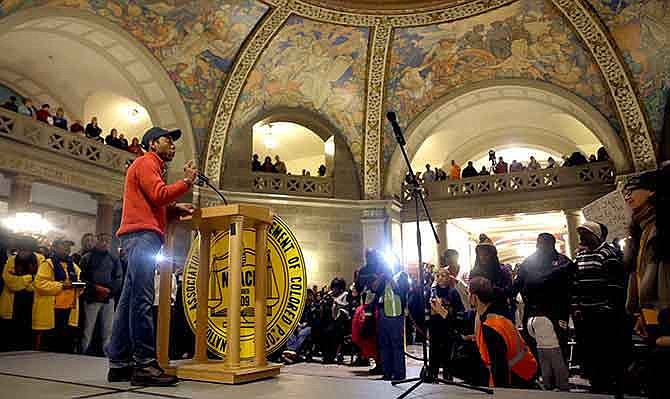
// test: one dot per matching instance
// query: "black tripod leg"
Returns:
(457, 384)
(405, 381)
(412, 388)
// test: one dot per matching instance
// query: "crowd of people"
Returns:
(500, 166)
(91, 130)
(497, 326)
(546, 313)
(279, 166)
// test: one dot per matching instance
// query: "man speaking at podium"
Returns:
(147, 201)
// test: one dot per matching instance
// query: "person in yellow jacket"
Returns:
(56, 304)
(16, 299)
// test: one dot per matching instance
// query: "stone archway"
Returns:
(144, 79)
(236, 174)
(549, 95)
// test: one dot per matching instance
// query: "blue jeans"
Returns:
(392, 346)
(296, 340)
(96, 314)
(133, 342)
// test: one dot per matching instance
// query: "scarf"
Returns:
(59, 272)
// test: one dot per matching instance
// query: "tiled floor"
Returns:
(47, 375)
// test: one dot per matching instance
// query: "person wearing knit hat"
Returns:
(488, 265)
(598, 308)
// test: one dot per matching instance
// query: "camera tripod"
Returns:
(417, 197)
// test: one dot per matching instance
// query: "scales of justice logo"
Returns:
(286, 282)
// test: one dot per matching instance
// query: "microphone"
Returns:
(202, 180)
(396, 128)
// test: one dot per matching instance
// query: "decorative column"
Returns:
(104, 220)
(19, 194)
(574, 219)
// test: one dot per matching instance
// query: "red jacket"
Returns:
(146, 197)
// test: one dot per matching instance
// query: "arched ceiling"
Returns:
(504, 123)
(91, 67)
(351, 61)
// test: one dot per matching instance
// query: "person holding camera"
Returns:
(445, 306)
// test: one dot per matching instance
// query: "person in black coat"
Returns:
(103, 275)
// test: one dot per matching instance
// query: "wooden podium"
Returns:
(231, 370)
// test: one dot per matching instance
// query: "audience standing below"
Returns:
(469, 171)
(59, 119)
(543, 280)
(649, 279)
(56, 307)
(446, 306)
(428, 176)
(16, 300)
(598, 310)
(454, 171)
(391, 332)
(92, 130)
(552, 363)
(502, 349)
(43, 114)
(104, 279)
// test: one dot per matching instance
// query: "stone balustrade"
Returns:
(28, 131)
(600, 173)
(276, 183)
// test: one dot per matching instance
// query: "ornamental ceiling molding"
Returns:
(396, 20)
(629, 109)
(374, 108)
(249, 55)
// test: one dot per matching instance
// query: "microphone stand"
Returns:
(201, 180)
(417, 196)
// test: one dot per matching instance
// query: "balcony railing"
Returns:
(275, 183)
(35, 133)
(528, 180)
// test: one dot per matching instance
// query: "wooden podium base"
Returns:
(216, 371)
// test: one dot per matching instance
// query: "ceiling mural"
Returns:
(196, 41)
(318, 59)
(641, 30)
(527, 39)
(317, 66)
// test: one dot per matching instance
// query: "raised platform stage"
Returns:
(36, 375)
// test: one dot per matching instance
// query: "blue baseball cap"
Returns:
(157, 132)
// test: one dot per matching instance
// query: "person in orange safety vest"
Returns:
(503, 351)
